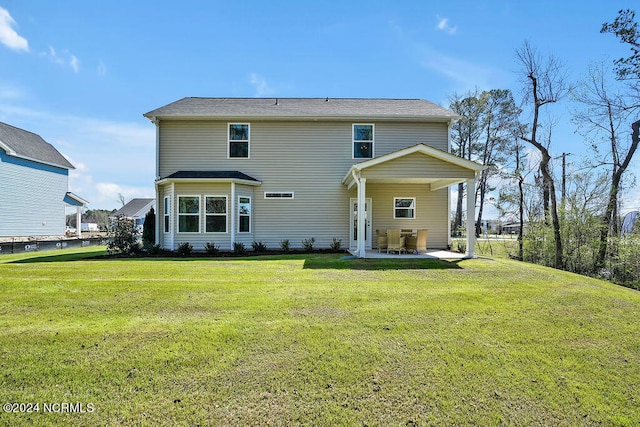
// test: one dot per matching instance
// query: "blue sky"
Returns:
(81, 74)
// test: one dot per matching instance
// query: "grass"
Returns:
(315, 340)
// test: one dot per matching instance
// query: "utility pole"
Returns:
(564, 177)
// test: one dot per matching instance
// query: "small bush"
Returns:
(123, 238)
(462, 246)
(259, 247)
(239, 249)
(307, 244)
(154, 249)
(184, 249)
(336, 244)
(211, 248)
(284, 245)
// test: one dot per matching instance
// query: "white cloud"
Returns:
(260, 85)
(65, 59)
(466, 74)
(102, 69)
(443, 25)
(8, 36)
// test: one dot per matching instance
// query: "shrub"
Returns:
(154, 249)
(211, 248)
(149, 228)
(238, 248)
(336, 244)
(307, 244)
(259, 247)
(284, 245)
(184, 249)
(123, 238)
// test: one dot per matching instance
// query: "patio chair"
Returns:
(382, 239)
(417, 243)
(395, 243)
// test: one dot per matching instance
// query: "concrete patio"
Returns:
(429, 254)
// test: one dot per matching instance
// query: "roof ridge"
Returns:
(23, 130)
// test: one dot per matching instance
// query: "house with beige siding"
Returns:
(250, 169)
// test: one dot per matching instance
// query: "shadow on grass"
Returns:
(310, 260)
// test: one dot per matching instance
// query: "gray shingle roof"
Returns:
(27, 145)
(210, 175)
(132, 208)
(274, 108)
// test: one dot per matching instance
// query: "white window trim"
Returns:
(226, 214)
(229, 140)
(250, 215)
(167, 215)
(266, 193)
(415, 213)
(353, 140)
(185, 214)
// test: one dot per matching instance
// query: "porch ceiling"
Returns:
(434, 183)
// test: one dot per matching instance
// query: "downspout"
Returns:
(451, 122)
(157, 213)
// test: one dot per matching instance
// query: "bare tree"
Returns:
(121, 199)
(545, 83)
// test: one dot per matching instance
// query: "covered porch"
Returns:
(409, 189)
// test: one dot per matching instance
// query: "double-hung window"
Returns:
(188, 214)
(244, 214)
(167, 218)
(239, 140)
(216, 214)
(404, 207)
(363, 141)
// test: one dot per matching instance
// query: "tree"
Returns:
(466, 133)
(625, 28)
(498, 116)
(149, 228)
(545, 84)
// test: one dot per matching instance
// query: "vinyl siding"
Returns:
(32, 197)
(307, 158)
(417, 165)
(429, 212)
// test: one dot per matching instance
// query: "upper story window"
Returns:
(363, 141)
(239, 140)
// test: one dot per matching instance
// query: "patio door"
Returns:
(353, 221)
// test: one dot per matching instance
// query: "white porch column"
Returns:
(471, 217)
(79, 221)
(362, 226)
(233, 214)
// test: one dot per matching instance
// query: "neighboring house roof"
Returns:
(134, 208)
(27, 145)
(74, 199)
(236, 176)
(290, 108)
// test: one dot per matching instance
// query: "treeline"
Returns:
(568, 220)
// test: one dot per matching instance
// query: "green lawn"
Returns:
(314, 340)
